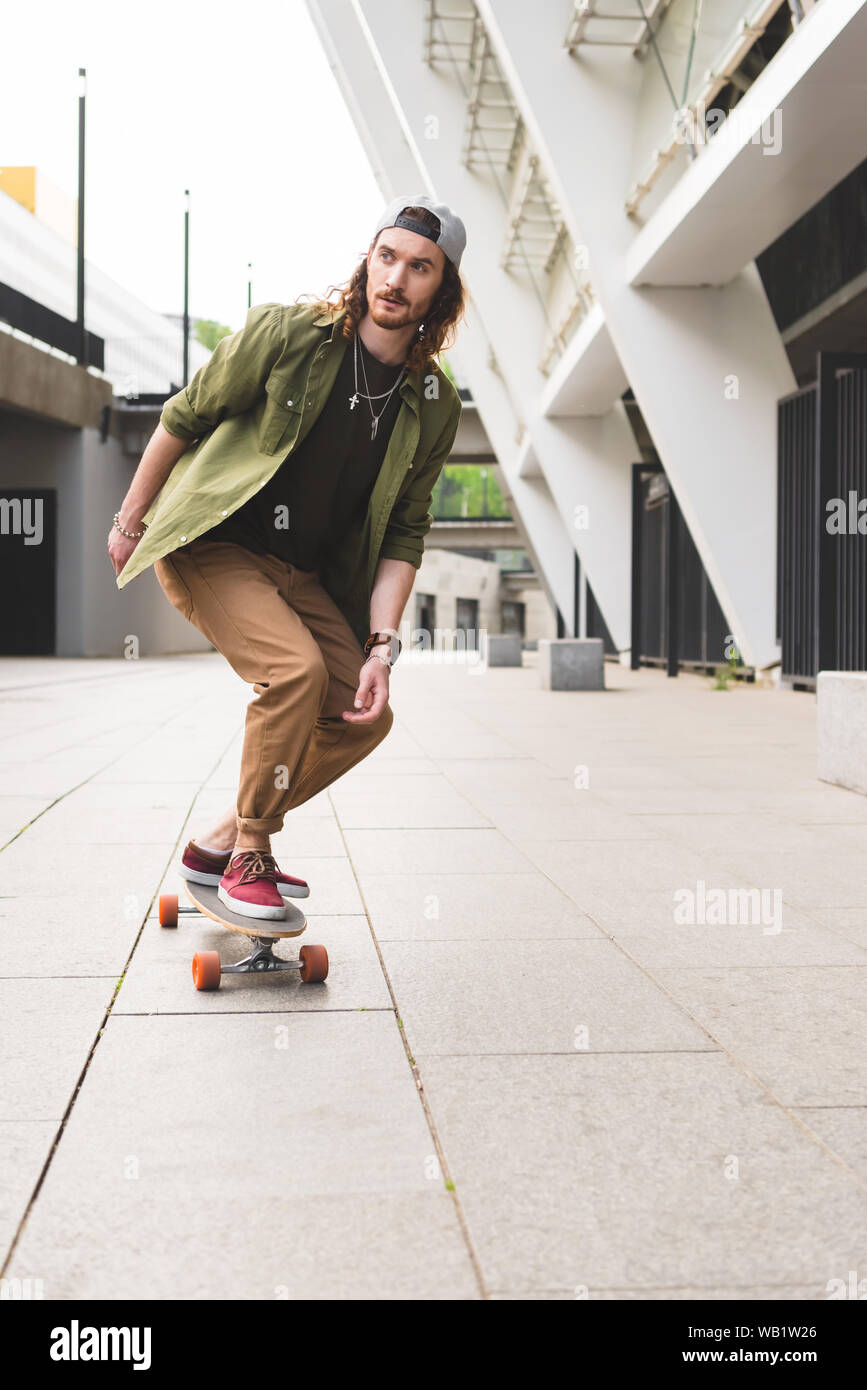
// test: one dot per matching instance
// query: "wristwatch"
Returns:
(380, 638)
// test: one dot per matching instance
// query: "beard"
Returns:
(394, 316)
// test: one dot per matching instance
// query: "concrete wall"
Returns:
(540, 620)
(449, 576)
(94, 618)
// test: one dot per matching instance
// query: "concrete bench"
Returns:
(572, 663)
(504, 649)
(841, 699)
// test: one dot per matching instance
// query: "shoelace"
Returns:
(257, 864)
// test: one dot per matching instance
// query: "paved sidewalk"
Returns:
(524, 1078)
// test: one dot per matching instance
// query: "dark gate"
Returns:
(797, 534)
(28, 550)
(822, 532)
(671, 593)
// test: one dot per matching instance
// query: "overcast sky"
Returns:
(234, 101)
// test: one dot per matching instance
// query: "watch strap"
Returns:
(376, 639)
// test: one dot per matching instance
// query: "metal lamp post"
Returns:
(82, 334)
(186, 285)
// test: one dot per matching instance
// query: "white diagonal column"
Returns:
(707, 366)
(428, 109)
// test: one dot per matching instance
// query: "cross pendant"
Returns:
(353, 401)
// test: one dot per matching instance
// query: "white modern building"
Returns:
(660, 238)
(143, 348)
(71, 436)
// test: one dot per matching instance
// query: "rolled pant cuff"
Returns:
(266, 825)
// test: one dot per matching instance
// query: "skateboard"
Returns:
(312, 963)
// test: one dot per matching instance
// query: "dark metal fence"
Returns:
(821, 552)
(797, 534)
(596, 624)
(676, 617)
(33, 318)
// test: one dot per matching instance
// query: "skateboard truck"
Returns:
(261, 958)
(312, 963)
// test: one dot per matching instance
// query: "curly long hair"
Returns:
(440, 322)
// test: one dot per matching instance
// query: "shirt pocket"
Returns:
(284, 401)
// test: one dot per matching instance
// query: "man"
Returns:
(283, 501)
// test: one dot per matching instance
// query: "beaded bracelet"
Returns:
(131, 535)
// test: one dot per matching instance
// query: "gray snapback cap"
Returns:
(453, 234)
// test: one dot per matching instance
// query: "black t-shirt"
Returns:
(316, 492)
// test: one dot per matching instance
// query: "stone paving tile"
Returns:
(797, 1293)
(411, 802)
(256, 1116)
(799, 943)
(132, 825)
(647, 925)
(100, 796)
(850, 922)
(469, 907)
(420, 851)
(800, 1030)
(843, 1128)
(612, 1171)
(48, 780)
(17, 812)
(47, 1027)
(581, 822)
(42, 938)
(552, 996)
(587, 870)
(388, 767)
(724, 832)
(24, 1148)
(826, 878)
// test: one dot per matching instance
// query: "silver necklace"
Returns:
(353, 399)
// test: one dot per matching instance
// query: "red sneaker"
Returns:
(202, 866)
(248, 886)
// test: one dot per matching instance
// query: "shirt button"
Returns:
(225, 513)
(288, 402)
(183, 538)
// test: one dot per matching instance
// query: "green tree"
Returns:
(208, 332)
(472, 484)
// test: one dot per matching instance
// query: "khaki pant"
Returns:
(283, 634)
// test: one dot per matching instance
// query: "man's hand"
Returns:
(371, 697)
(119, 549)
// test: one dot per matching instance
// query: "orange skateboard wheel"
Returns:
(168, 909)
(206, 970)
(314, 963)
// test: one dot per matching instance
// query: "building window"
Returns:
(426, 614)
(467, 621)
(514, 617)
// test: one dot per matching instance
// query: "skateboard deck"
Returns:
(312, 962)
(204, 898)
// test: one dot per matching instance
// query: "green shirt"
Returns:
(305, 509)
(250, 406)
